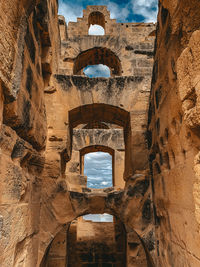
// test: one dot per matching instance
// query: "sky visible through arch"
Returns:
(98, 169)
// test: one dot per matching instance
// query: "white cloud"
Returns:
(97, 71)
(98, 169)
(70, 10)
(146, 8)
(96, 30)
(98, 217)
(117, 12)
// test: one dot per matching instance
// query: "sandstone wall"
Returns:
(25, 30)
(73, 100)
(174, 134)
(40, 106)
(130, 45)
(93, 140)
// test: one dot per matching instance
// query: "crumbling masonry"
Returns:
(146, 116)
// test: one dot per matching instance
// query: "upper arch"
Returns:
(95, 56)
(96, 17)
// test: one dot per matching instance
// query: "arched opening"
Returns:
(99, 112)
(88, 241)
(99, 140)
(95, 71)
(96, 125)
(98, 165)
(96, 56)
(96, 23)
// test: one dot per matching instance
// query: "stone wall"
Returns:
(25, 31)
(174, 134)
(95, 244)
(41, 102)
(93, 140)
(126, 47)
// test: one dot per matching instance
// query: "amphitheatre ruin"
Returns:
(146, 116)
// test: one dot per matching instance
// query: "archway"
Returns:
(84, 242)
(97, 18)
(104, 113)
(95, 56)
(96, 23)
(99, 112)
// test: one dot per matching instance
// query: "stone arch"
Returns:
(98, 148)
(96, 17)
(96, 125)
(99, 112)
(109, 114)
(95, 56)
(132, 237)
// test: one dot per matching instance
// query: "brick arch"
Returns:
(96, 17)
(95, 56)
(99, 112)
(96, 125)
(97, 148)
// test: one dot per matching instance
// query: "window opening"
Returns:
(98, 169)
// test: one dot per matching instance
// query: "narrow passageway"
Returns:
(95, 240)
(93, 243)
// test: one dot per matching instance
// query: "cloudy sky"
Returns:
(98, 169)
(99, 71)
(122, 10)
(99, 217)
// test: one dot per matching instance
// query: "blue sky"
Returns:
(123, 11)
(97, 71)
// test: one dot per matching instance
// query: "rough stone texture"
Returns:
(174, 134)
(127, 48)
(23, 25)
(51, 114)
(93, 140)
(96, 244)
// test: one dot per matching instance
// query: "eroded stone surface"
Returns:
(51, 114)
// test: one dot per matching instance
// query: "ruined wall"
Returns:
(93, 140)
(40, 106)
(128, 49)
(174, 134)
(24, 32)
(74, 100)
